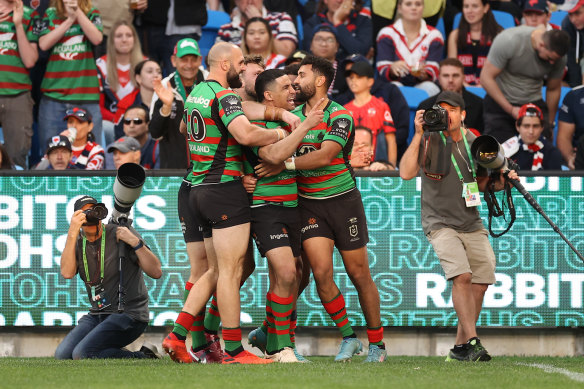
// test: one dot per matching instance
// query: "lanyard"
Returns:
(454, 159)
(87, 277)
(180, 87)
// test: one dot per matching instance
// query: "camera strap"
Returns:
(102, 259)
(494, 208)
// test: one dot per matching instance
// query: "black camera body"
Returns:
(95, 214)
(435, 119)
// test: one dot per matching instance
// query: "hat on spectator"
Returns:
(186, 46)
(362, 69)
(530, 109)
(540, 6)
(297, 56)
(451, 98)
(325, 27)
(124, 144)
(58, 141)
(80, 114)
(82, 201)
(354, 58)
(571, 5)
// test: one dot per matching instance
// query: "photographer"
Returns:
(450, 221)
(91, 250)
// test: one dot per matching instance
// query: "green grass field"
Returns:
(323, 373)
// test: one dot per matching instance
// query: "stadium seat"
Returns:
(440, 27)
(1, 136)
(477, 90)
(414, 97)
(558, 17)
(503, 18)
(299, 30)
(215, 21)
(563, 94)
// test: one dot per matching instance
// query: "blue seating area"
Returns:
(215, 21)
(414, 97)
(558, 17)
(503, 18)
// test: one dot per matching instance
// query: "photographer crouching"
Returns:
(451, 181)
(92, 251)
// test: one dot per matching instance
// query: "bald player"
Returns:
(216, 128)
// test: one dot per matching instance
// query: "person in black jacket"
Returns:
(451, 79)
(574, 26)
(168, 103)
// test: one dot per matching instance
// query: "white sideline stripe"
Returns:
(551, 369)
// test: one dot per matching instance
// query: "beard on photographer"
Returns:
(451, 182)
(91, 250)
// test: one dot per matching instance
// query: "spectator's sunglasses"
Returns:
(532, 112)
(136, 121)
(76, 112)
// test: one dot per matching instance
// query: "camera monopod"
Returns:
(489, 154)
(127, 188)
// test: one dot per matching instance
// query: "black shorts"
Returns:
(220, 205)
(191, 228)
(274, 226)
(340, 218)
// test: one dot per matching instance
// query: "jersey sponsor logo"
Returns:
(278, 236)
(199, 100)
(199, 148)
(341, 128)
(71, 48)
(231, 105)
(387, 116)
(6, 43)
(312, 224)
(371, 111)
(305, 149)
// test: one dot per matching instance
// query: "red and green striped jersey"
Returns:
(215, 154)
(71, 71)
(338, 177)
(278, 190)
(14, 78)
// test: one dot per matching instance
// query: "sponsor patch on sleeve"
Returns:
(341, 128)
(231, 104)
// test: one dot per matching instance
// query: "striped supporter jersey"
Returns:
(336, 178)
(71, 71)
(278, 190)
(215, 154)
(14, 77)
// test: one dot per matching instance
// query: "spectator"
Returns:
(519, 61)
(471, 41)
(115, 72)
(166, 109)
(150, 25)
(362, 152)
(136, 126)
(393, 97)
(510, 6)
(185, 19)
(354, 30)
(530, 150)
(579, 158)
(408, 51)
(5, 161)
(371, 112)
(292, 73)
(451, 79)
(69, 31)
(144, 74)
(19, 53)
(296, 57)
(571, 125)
(258, 40)
(112, 12)
(283, 29)
(58, 154)
(254, 65)
(124, 150)
(574, 26)
(325, 45)
(537, 13)
(87, 154)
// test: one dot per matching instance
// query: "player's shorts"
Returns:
(274, 226)
(191, 228)
(220, 205)
(464, 252)
(341, 219)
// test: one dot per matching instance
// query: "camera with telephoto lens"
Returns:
(95, 214)
(435, 119)
(127, 189)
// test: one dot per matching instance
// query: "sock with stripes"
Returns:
(278, 315)
(232, 339)
(375, 336)
(337, 311)
(212, 318)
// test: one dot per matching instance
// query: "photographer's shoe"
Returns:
(176, 349)
(349, 347)
(150, 350)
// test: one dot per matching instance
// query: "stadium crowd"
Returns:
(75, 67)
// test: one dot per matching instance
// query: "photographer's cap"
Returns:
(125, 144)
(362, 69)
(82, 201)
(187, 46)
(451, 98)
(58, 141)
(530, 109)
